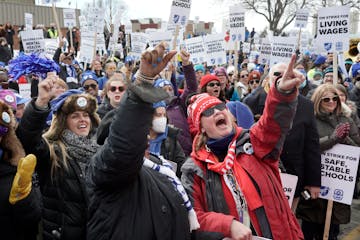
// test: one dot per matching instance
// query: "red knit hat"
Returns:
(208, 78)
(198, 104)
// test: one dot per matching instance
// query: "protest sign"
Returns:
(333, 29)
(28, 21)
(180, 12)
(33, 41)
(100, 42)
(83, 22)
(157, 37)
(50, 47)
(338, 173)
(195, 46)
(87, 46)
(265, 52)
(237, 23)
(289, 186)
(25, 90)
(282, 49)
(49, 1)
(301, 18)
(95, 19)
(246, 48)
(69, 18)
(215, 49)
(138, 44)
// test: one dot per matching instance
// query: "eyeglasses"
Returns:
(244, 76)
(257, 81)
(213, 84)
(114, 88)
(327, 99)
(93, 86)
(210, 111)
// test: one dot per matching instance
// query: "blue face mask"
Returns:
(303, 84)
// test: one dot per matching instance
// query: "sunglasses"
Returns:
(277, 74)
(114, 88)
(210, 111)
(93, 86)
(213, 84)
(244, 76)
(327, 99)
(257, 81)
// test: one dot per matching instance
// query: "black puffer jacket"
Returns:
(128, 200)
(104, 108)
(64, 196)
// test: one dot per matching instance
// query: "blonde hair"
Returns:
(58, 124)
(117, 77)
(319, 93)
(61, 82)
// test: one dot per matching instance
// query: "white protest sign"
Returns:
(301, 18)
(49, 1)
(265, 52)
(33, 41)
(246, 48)
(69, 18)
(289, 186)
(87, 46)
(95, 20)
(215, 49)
(180, 12)
(282, 49)
(50, 47)
(113, 43)
(28, 21)
(138, 43)
(195, 46)
(338, 173)
(333, 29)
(100, 42)
(83, 22)
(237, 23)
(25, 90)
(157, 37)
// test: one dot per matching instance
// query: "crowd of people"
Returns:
(159, 149)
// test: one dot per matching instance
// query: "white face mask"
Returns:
(159, 124)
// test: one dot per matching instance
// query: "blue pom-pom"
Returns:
(26, 64)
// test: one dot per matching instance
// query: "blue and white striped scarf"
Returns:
(166, 169)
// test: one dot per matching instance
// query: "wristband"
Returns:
(143, 78)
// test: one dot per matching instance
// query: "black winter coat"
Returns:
(128, 200)
(18, 221)
(301, 150)
(64, 197)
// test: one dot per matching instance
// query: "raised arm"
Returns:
(120, 159)
(268, 135)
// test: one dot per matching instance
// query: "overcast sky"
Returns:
(161, 9)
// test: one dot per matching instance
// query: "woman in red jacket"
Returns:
(232, 177)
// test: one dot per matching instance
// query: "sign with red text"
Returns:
(338, 173)
(333, 29)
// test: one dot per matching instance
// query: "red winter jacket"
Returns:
(269, 210)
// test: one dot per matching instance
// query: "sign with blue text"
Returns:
(180, 12)
(237, 23)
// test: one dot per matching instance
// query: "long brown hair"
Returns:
(320, 91)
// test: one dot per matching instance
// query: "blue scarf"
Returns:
(220, 146)
(155, 144)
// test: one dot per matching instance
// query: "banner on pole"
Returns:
(69, 18)
(28, 21)
(237, 23)
(333, 29)
(33, 41)
(301, 18)
(338, 173)
(215, 49)
(180, 12)
(195, 46)
(282, 49)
